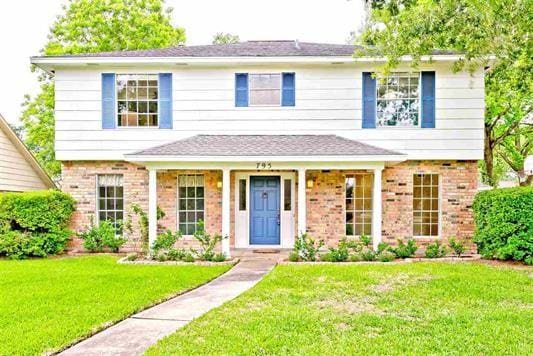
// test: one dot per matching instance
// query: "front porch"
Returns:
(260, 191)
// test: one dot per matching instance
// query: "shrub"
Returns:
(175, 254)
(219, 257)
(367, 255)
(97, 237)
(165, 241)
(132, 256)
(457, 246)
(36, 211)
(383, 246)
(34, 223)
(435, 250)
(306, 247)
(207, 243)
(366, 240)
(294, 257)
(405, 250)
(142, 221)
(504, 223)
(188, 257)
(17, 244)
(339, 254)
(385, 256)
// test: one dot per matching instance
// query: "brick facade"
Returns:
(325, 200)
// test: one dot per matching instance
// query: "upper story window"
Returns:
(137, 100)
(398, 100)
(265, 89)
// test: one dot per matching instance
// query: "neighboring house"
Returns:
(19, 170)
(266, 139)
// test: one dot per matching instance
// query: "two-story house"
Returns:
(264, 140)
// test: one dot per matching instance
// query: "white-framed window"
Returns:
(398, 100)
(137, 100)
(359, 188)
(191, 202)
(110, 199)
(264, 89)
(426, 205)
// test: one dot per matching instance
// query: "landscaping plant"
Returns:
(435, 250)
(405, 250)
(457, 246)
(504, 223)
(207, 242)
(306, 247)
(339, 254)
(99, 236)
(142, 222)
(34, 224)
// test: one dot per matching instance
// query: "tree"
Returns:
(89, 26)
(495, 32)
(225, 38)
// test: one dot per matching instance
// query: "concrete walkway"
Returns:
(135, 334)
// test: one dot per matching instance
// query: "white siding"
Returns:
(328, 100)
(16, 174)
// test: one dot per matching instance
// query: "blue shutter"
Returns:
(241, 89)
(108, 100)
(165, 100)
(369, 101)
(428, 100)
(288, 90)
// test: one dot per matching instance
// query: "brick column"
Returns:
(152, 207)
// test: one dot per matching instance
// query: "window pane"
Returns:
(397, 100)
(132, 96)
(425, 204)
(191, 203)
(287, 189)
(358, 208)
(265, 97)
(110, 199)
(265, 89)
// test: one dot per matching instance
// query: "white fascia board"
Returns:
(252, 166)
(164, 158)
(48, 63)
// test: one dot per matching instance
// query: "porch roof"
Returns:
(265, 146)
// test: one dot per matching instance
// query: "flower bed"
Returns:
(144, 261)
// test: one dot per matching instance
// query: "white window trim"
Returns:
(419, 106)
(178, 201)
(346, 174)
(97, 212)
(439, 219)
(117, 100)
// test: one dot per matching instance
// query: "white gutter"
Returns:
(65, 61)
(172, 158)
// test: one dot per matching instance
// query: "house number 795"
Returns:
(264, 165)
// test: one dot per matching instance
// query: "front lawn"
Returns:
(47, 304)
(418, 308)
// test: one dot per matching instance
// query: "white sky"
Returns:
(24, 26)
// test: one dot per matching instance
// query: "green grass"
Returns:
(47, 304)
(419, 308)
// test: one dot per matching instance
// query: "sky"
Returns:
(24, 26)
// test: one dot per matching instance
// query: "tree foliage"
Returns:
(225, 38)
(88, 26)
(486, 32)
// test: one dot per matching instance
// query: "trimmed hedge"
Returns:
(34, 223)
(504, 223)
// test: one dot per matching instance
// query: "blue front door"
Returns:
(264, 212)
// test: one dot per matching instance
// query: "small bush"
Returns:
(97, 237)
(385, 256)
(306, 247)
(165, 241)
(175, 254)
(132, 256)
(207, 243)
(219, 257)
(366, 240)
(188, 257)
(435, 250)
(405, 250)
(504, 223)
(383, 246)
(457, 247)
(294, 257)
(339, 254)
(368, 255)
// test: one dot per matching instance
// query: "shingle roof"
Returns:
(265, 145)
(243, 49)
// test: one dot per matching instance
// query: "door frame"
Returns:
(287, 217)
